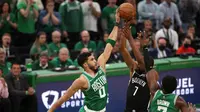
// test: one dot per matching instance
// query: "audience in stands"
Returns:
(7, 19)
(39, 45)
(170, 10)
(63, 59)
(43, 63)
(26, 19)
(72, 20)
(91, 13)
(21, 94)
(115, 56)
(85, 42)
(148, 33)
(170, 34)
(49, 20)
(4, 65)
(148, 10)
(56, 44)
(162, 51)
(191, 32)
(7, 46)
(101, 44)
(188, 12)
(108, 17)
(5, 105)
(37, 2)
(186, 47)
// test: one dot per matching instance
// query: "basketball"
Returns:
(127, 11)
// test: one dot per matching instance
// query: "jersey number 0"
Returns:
(102, 92)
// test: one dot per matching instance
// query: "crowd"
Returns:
(53, 32)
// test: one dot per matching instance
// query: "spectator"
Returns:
(7, 19)
(5, 105)
(27, 16)
(91, 13)
(72, 20)
(170, 34)
(162, 51)
(63, 59)
(115, 56)
(37, 2)
(39, 45)
(56, 44)
(188, 12)
(108, 16)
(6, 45)
(4, 65)
(43, 62)
(148, 30)
(57, 4)
(170, 10)
(185, 48)
(82, 51)
(49, 20)
(101, 44)
(191, 32)
(22, 95)
(148, 10)
(85, 42)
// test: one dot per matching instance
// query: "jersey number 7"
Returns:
(136, 89)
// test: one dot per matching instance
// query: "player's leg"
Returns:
(82, 109)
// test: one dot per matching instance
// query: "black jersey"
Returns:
(138, 93)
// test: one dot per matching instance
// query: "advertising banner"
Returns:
(48, 93)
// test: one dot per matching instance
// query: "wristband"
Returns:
(26, 92)
(112, 42)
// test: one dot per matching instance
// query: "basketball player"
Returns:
(92, 81)
(143, 78)
(164, 101)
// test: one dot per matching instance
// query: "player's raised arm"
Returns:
(77, 84)
(136, 52)
(125, 54)
(103, 58)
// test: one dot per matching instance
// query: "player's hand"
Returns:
(117, 16)
(191, 107)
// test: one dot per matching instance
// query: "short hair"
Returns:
(83, 57)
(169, 84)
(44, 53)
(40, 33)
(6, 34)
(190, 26)
(15, 63)
(147, 21)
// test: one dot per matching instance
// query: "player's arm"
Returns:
(126, 55)
(103, 58)
(136, 52)
(152, 78)
(76, 85)
(182, 105)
